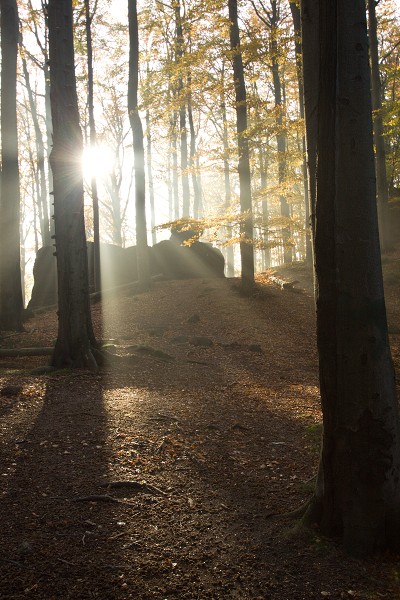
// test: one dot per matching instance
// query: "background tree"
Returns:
(246, 241)
(380, 151)
(138, 148)
(11, 303)
(93, 143)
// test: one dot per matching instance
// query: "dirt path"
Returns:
(162, 478)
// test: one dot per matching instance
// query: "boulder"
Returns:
(44, 291)
(175, 261)
(118, 265)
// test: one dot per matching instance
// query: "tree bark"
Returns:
(246, 229)
(75, 342)
(358, 487)
(11, 302)
(138, 149)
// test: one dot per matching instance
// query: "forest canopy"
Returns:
(186, 99)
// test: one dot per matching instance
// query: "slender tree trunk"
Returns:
(230, 255)
(192, 159)
(93, 144)
(246, 232)
(11, 304)
(42, 187)
(49, 124)
(358, 488)
(175, 181)
(281, 137)
(264, 210)
(138, 149)
(169, 185)
(150, 169)
(179, 51)
(75, 342)
(379, 138)
(296, 16)
(150, 179)
(310, 52)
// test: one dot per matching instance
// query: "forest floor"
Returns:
(162, 477)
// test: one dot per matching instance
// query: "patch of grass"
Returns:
(314, 434)
(308, 487)
(393, 329)
(8, 372)
(154, 352)
(392, 278)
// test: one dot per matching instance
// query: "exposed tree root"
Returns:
(136, 486)
(46, 351)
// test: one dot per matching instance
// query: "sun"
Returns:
(97, 162)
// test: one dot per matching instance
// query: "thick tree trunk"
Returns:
(138, 149)
(75, 342)
(358, 489)
(380, 152)
(246, 230)
(11, 303)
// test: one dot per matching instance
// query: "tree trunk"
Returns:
(150, 178)
(138, 149)
(174, 151)
(266, 253)
(42, 187)
(93, 144)
(296, 16)
(310, 52)
(11, 303)
(49, 124)
(192, 160)
(380, 152)
(246, 229)
(230, 255)
(75, 342)
(150, 169)
(357, 495)
(281, 137)
(179, 51)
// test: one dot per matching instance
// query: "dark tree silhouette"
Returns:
(357, 495)
(11, 299)
(75, 342)
(93, 142)
(246, 232)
